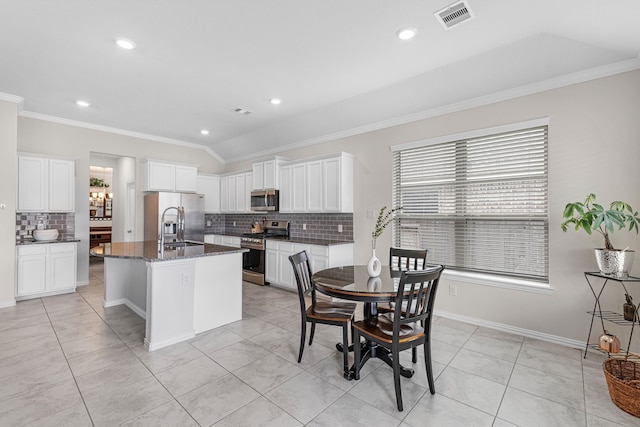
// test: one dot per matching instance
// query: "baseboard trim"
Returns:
(8, 303)
(555, 339)
(158, 345)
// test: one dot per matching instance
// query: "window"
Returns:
(477, 202)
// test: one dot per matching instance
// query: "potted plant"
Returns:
(591, 216)
(384, 218)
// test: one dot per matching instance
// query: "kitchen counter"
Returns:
(303, 240)
(46, 242)
(149, 251)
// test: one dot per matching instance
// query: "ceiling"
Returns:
(336, 64)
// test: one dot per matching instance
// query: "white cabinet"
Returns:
(235, 194)
(45, 184)
(278, 270)
(209, 186)
(319, 185)
(45, 269)
(266, 174)
(219, 239)
(162, 176)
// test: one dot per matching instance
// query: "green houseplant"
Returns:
(374, 267)
(593, 217)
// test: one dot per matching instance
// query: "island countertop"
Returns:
(149, 251)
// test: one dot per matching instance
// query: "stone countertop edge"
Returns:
(45, 242)
(148, 251)
(303, 240)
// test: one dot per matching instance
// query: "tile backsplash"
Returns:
(318, 225)
(27, 222)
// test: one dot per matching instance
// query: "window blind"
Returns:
(477, 204)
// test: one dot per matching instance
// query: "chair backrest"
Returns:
(416, 296)
(302, 273)
(407, 259)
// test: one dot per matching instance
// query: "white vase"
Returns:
(373, 266)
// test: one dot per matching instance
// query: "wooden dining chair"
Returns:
(329, 313)
(408, 326)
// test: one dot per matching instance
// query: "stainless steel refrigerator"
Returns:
(156, 203)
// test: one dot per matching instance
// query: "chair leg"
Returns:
(356, 354)
(313, 331)
(345, 347)
(303, 336)
(396, 377)
(414, 355)
(428, 365)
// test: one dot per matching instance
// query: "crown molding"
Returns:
(12, 98)
(530, 89)
(123, 132)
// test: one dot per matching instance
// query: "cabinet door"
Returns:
(247, 191)
(285, 271)
(319, 257)
(160, 176)
(241, 189)
(32, 184)
(62, 267)
(332, 194)
(210, 187)
(271, 174)
(258, 176)
(271, 266)
(32, 274)
(314, 186)
(224, 194)
(61, 185)
(231, 193)
(218, 239)
(298, 188)
(186, 179)
(209, 238)
(285, 189)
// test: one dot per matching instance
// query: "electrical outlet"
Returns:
(185, 279)
(234, 223)
(340, 228)
(453, 290)
(304, 226)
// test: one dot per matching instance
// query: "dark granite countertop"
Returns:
(45, 242)
(149, 251)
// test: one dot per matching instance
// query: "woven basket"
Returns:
(623, 380)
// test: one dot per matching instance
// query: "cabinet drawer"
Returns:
(32, 250)
(61, 248)
(319, 250)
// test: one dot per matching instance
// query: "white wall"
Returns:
(8, 144)
(44, 137)
(594, 146)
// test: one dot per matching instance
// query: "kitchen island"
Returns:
(180, 292)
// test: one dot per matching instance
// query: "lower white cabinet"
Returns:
(219, 239)
(45, 269)
(278, 269)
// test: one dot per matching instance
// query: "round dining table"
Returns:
(354, 283)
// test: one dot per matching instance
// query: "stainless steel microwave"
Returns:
(265, 200)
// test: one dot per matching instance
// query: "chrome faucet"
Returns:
(179, 231)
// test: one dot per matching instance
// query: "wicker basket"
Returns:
(623, 380)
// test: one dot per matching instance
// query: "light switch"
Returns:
(340, 228)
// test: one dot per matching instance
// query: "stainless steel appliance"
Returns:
(253, 262)
(192, 224)
(265, 200)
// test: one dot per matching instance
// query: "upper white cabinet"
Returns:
(235, 193)
(319, 185)
(45, 184)
(209, 186)
(162, 176)
(266, 174)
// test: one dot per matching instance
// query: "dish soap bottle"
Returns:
(629, 309)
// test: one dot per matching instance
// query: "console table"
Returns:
(609, 316)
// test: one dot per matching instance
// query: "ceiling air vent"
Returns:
(454, 14)
(242, 111)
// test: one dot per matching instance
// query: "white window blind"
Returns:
(477, 204)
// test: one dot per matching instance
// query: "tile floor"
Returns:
(66, 361)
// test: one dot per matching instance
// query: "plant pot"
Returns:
(615, 262)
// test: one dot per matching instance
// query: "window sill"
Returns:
(499, 281)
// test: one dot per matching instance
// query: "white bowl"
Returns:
(50, 234)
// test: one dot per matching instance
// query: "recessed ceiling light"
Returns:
(125, 44)
(82, 103)
(275, 101)
(204, 132)
(406, 33)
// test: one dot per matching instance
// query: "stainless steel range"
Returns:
(253, 262)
